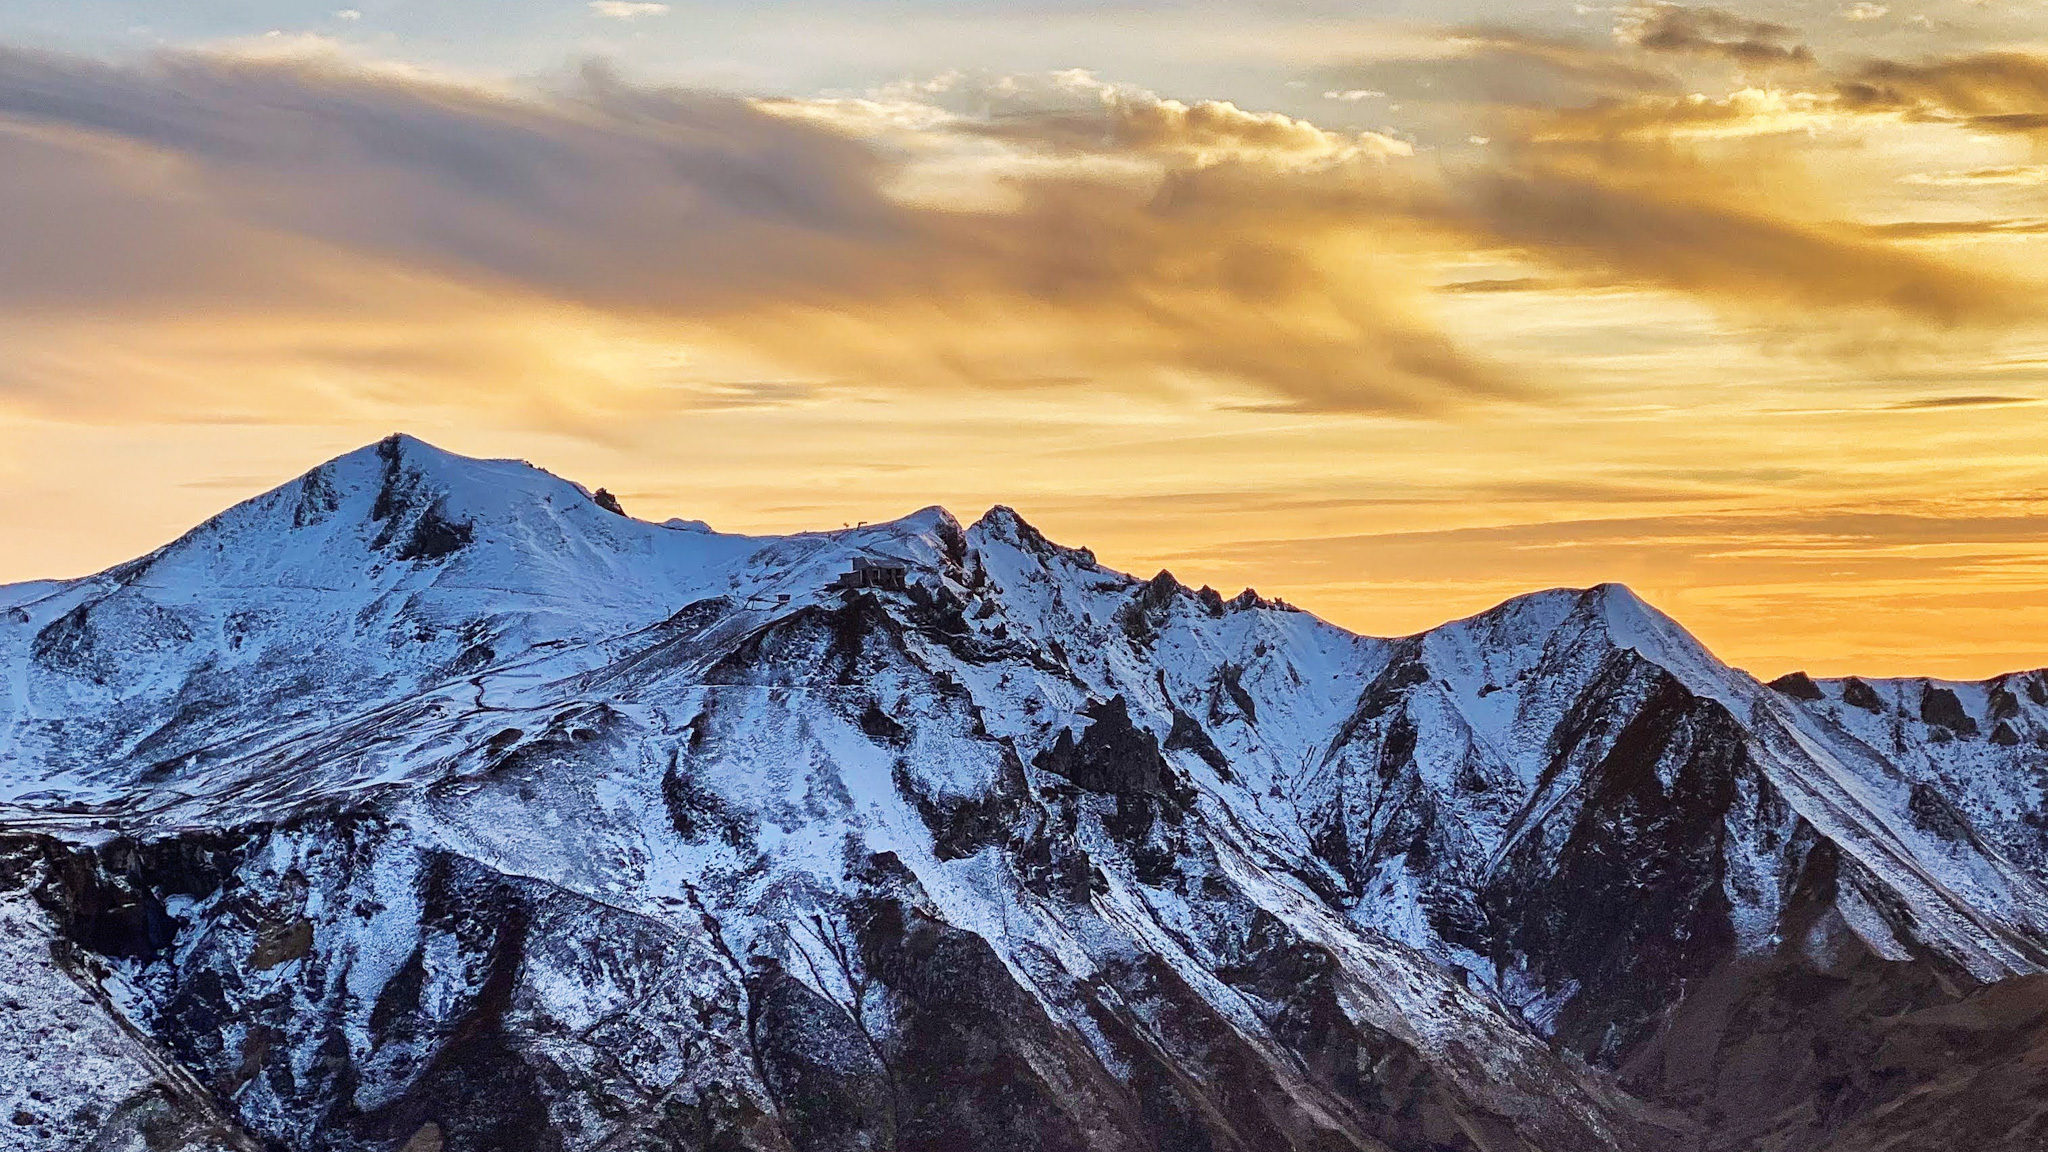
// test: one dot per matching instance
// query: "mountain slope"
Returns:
(425, 802)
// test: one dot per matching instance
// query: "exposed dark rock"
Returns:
(1230, 680)
(110, 899)
(832, 1092)
(962, 826)
(1630, 906)
(1827, 1045)
(1250, 598)
(1857, 694)
(415, 520)
(879, 725)
(477, 1088)
(938, 613)
(605, 500)
(1932, 812)
(1969, 1074)
(816, 645)
(1405, 671)
(394, 496)
(2001, 704)
(318, 498)
(952, 543)
(1799, 686)
(978, 1064)
(435, 536)
(282, 944)
(1051, 864)
(1200, 1083)
(1142, 616)
(1113, 755)
(1940, 706)
(1188, 735)
(1006, 521)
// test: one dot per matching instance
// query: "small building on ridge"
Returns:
(885, 575)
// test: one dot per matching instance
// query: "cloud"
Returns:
(1723, 200)
(1787, 543)
(1935, 403)
(1200, 133)
(2014, 174)
(744, 395)
(1114, 238)
(1680, 29)
(1735, 200)
(1935, 229)
(1480, 68)
(1865, 11)
(627, 9)
(1992, 91)
(1670, 233)
(300, 185)
(1692, 119)
(1074, 112)
(1500, 284)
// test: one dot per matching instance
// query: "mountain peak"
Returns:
(1633, 622)
(403, 442)
(421, 457)
(401, 457)
(1003, 520)
(1002, 523)
(1624, 607)
(931, 520)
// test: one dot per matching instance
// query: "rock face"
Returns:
(432, 803)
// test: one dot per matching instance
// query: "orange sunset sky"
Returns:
(1393, 310)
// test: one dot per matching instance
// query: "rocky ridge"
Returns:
(430, 803)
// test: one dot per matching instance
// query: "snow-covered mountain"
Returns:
(428, 802)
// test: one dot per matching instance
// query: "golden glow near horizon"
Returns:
(1748, 315)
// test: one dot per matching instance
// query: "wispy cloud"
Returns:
(1679, 28)
(1927, 403)
(2021, 175)
(1648, 222)
(1989, 91)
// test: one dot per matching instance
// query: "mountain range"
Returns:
(427, 803)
